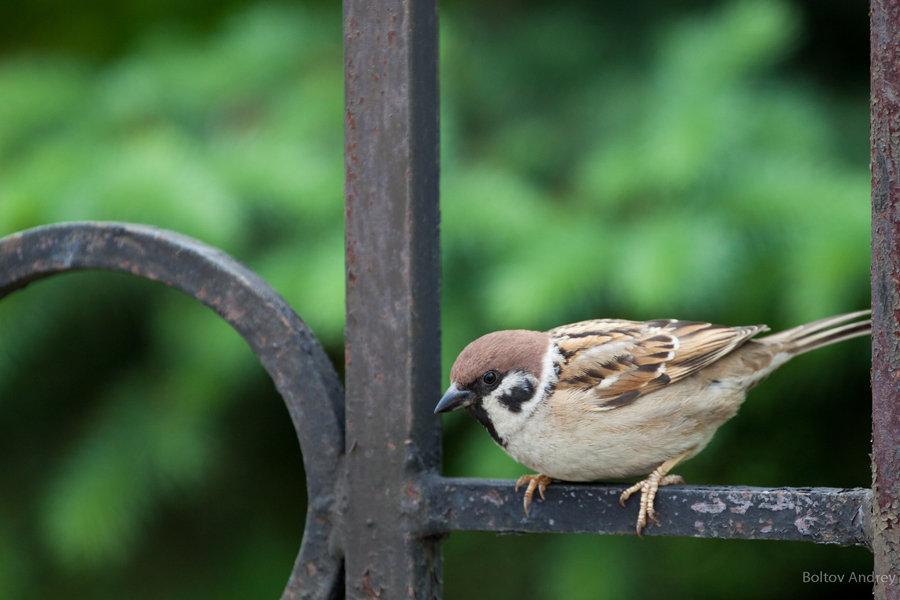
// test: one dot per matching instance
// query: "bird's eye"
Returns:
(489, 378)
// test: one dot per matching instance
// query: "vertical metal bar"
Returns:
(393, 294)
(885, 114)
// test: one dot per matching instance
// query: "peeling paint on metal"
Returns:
(823, 515)
(885, 130)
(714, 507)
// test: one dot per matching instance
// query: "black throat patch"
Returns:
(476, 409)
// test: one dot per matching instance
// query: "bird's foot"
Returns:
(539, 482)
(648, 488)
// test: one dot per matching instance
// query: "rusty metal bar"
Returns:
(393, 294)
(284, 345)
(821, 515)
(885, 160)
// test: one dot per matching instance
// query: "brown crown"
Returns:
(501, 351)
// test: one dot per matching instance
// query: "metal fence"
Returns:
(378, 505)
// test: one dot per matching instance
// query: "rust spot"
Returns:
(390, 445)
(742, 504)
(367, 586)
(803, 524)
(781, 503)
(714, 506)
(391, 35)
(412, 492)
(493, 497)
(351, 277)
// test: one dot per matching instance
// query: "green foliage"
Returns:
(586, 173)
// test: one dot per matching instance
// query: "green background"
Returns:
(691, 159)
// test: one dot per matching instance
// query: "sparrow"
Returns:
(611, 399)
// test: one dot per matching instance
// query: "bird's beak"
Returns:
(454, 399)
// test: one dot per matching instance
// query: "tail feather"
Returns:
(821, 333)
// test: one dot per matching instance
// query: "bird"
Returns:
(613, 399)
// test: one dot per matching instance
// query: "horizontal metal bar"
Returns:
(821, 515)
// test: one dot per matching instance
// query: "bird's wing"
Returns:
(619, 361)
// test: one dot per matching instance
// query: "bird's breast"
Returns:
(568, 439)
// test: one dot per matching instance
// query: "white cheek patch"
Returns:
(514, 379)
(550, 367)
(512, 403)
(519, 395)
(516, 389)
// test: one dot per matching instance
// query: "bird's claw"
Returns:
(648, 487)
(539, 482)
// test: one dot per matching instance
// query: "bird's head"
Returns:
(501, 378)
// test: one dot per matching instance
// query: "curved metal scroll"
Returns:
(284, 345)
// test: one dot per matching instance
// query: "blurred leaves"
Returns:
(226, 139)
(587, 172)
